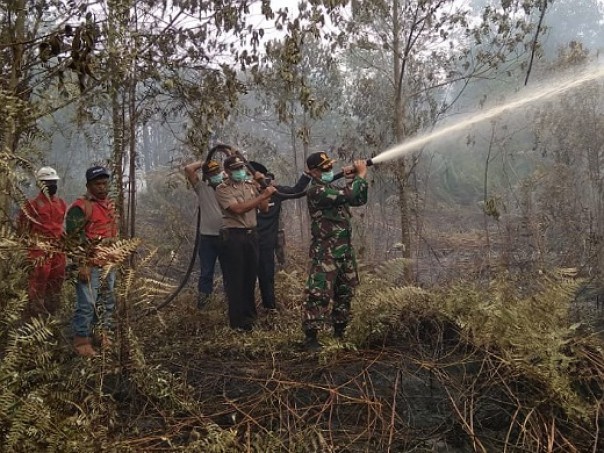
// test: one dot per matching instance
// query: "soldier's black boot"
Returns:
(202, 300)
(311, 343)
(338, 331)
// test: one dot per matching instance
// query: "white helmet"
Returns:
(47, 174)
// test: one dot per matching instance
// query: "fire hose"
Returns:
(185, 279)
(228, 151)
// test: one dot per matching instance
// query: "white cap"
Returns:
(47, 174)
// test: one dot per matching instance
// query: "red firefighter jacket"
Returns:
(100, 220)
(43, 216)
(98, 224)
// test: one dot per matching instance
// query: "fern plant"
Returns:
(528, 357)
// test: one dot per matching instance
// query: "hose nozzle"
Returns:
(350, 168)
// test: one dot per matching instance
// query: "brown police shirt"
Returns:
(231, 192)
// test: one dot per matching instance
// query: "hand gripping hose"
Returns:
(228, 151)
(225, 149)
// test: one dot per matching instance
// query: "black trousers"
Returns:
(239, 262)
(266, 274)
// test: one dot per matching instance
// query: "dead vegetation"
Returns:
(465, 369)
(503, 366)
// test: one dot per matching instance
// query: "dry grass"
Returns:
(418, 371)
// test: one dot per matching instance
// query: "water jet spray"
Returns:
(547, 90)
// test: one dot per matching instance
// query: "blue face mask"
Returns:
(238, 175)
(327, 176)
(216, 179)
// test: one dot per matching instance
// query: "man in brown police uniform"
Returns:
(239, 199)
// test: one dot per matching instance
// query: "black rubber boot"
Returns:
(202, 300)
(338, 331)
(311, 343)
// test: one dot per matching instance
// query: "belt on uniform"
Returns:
(240, 231)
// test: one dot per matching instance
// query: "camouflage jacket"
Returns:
(329, 209)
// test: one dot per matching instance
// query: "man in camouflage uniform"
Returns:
(332, 272)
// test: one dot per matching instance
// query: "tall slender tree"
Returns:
(430, 51)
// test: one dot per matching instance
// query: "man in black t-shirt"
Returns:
(268, 232)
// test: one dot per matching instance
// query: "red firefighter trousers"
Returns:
(45, 282)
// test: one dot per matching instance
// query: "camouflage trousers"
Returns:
(330, 278)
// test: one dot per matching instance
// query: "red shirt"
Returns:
(100, 217)
(43, 216)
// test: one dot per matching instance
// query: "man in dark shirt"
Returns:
(268, 232)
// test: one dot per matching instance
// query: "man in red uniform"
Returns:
(42, 220)
(91, 221)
